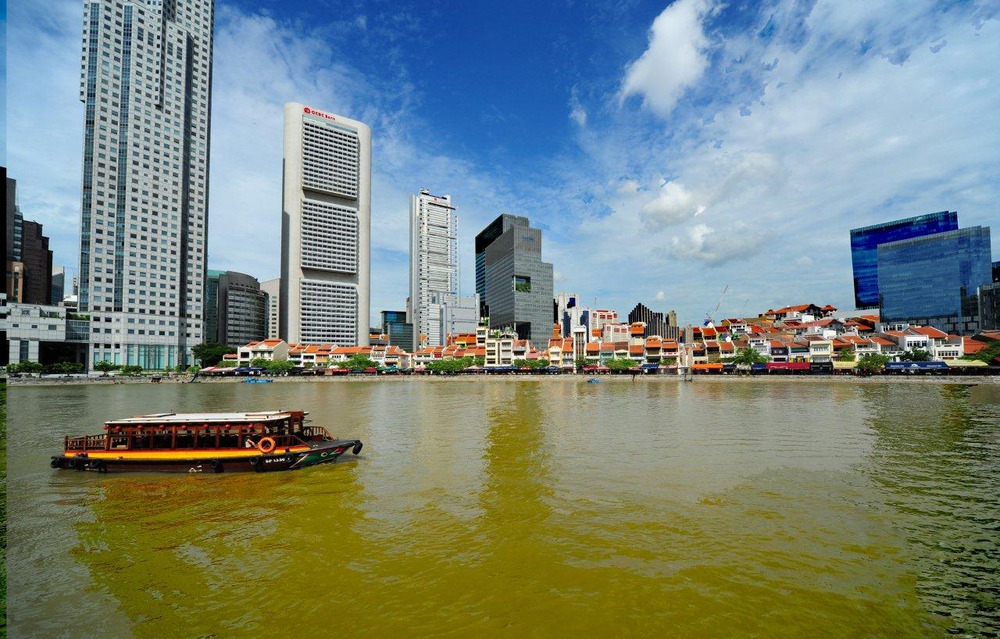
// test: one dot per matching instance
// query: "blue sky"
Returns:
(668, 151)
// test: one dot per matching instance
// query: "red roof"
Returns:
(930, 331)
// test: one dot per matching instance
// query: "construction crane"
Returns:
(708, 316)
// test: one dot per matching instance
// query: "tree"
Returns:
(105, 367)
(358, 361)
(130, 371)
(621, 363)
(533, 364)
(747, 355)
(260, 362)
(988, 354)
(580, 362)
(64, 368)
(279, 366)
(849, 354)
(210, 353)
(872, 363)
(916, 355)
(26, 368)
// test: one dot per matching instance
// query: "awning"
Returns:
(962, 363)
(788, 366)
(706, 367)
(844, 366)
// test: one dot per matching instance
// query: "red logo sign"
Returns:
(320, 114)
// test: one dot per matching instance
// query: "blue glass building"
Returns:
(865, 242)
(934, 278)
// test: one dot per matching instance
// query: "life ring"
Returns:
(266, 445)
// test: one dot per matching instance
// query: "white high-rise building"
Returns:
(433, 263)
(325, 228)
(147, 88)
(273, 290)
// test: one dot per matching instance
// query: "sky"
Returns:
(701, 156)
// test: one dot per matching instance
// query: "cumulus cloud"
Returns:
(705, 244)
(672, 205)
(660, 296)
(675, 60)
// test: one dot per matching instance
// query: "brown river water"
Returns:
(544, 508)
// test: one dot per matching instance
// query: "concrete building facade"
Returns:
(433, 263)
(325, 228)
(272, 289)
(146, 85)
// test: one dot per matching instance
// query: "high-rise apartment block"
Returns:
(325, 228)
(516, 283)
(146, 84)
(864, 248)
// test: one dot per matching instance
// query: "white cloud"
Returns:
(675, 60)
(672, 205)
(660, 296)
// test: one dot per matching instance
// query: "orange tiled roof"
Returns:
(638, 349)
(930, 331)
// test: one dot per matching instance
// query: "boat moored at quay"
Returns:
(205, 442)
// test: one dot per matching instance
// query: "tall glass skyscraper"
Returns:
(146, 85)
(934, 278)
(865, 241)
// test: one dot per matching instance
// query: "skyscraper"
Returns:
(147, 88)
(934, 279)
(433, 262)
(235, 309)
(272, 288)
(516, 282)
(864, 246)
(325, 228)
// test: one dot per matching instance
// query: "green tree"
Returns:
(105, 367)
(916, 355)
(848, 354)
(579, 363)
(210, 353)
(450, 365)
(988, 354)
(872, 363)
(747, 355)
(617, 364)
(130, 370)
(533, 364)
(260, 362)
(228, 363)
(358, 361)
(279, 367)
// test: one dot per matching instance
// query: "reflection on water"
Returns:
(526, 508)
(937, 456)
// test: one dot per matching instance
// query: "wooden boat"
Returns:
(205, 442)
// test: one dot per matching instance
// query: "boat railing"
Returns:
(87, 442)
(314, 432)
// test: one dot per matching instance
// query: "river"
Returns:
(525, 508)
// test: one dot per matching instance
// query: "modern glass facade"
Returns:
(517, 283)
(865, 242)
(935, 276)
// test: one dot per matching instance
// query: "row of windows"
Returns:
(329, 237)
(330, 160)
(329, 312)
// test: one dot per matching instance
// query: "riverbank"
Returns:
(567, 378)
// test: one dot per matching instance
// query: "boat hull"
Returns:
(208, 461)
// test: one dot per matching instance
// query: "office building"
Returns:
(235, 309)
(325, 228)
(658, 324)
(516, 283)
(37, 260)
(272, 289)
(569, 315)
(456, 315)
(398, 330)
(989, 307)
(865, 241)
(146, 85)
(58, 285)
(433, 263)
(934, 279)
